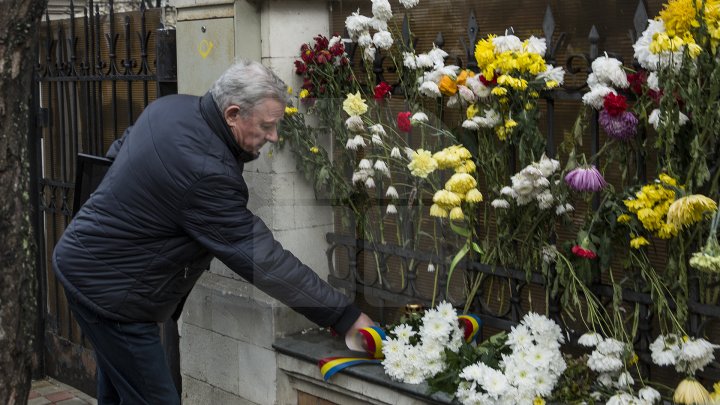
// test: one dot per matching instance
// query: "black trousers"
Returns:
(131, 363)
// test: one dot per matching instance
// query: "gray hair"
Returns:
(246, 84)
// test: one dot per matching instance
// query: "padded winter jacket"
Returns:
(173, 198)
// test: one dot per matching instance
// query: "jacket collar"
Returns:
(213, 116)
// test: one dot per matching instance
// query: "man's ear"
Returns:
(231, 115)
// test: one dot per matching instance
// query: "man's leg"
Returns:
(130, 359)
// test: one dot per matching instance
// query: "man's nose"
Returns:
(272, 137)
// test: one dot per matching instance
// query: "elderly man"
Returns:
(173, 199)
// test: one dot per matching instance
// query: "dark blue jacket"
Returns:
(173, 198)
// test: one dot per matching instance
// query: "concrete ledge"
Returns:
(298, 356)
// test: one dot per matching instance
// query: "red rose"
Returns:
(584, 253)
(403, 121)
(382, 90)
(615, 104)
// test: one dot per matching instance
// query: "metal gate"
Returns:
(96, 71)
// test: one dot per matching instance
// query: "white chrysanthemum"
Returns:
(657, 118)
(649, 394)
(508, 191)
(365, 164)
(395, 153)
(382, 167)
(437, 56)
(490, 119)
(495, 383)
(471, 125)
(545, 199)
(624, 380)
(364, 39)
(611, 346)
(477, 87)
(403, 332)
(499, 203)
(507, 43)
(536, 45)
(376, 139)
(596, 96)
(430, 89)
(409, 60)
(355, 124)
(409, 153)
(590, 339)
(383, 39)
(453, 100)
(378, 24)
(423, 61)
(381, 10)
(370, 183)
(644, 56)
(362, 175)
(419, 117)
(609, 71)
(356, 24)
(391, 192)
(409, 3)
(621, 398)
(547, 165)
(564, 209)
(377, 129)
(551, 73)
(603, 363)
(391, 209)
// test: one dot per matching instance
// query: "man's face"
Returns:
(260, 126)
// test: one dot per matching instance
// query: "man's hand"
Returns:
(353, 339)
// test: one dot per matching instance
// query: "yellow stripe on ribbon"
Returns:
(473, 327)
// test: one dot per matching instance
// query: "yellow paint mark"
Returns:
(204, 48)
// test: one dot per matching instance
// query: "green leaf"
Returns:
(459, 256)
(460, 230)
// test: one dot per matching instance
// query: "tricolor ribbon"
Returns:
(373, 337)
(472, 324)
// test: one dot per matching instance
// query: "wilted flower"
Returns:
(586, 178)
(691, 392)
(688, 210)
(622, 126)
(391, 210)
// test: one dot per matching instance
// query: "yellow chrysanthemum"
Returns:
(499, 91)
(638, 242)
(422, 163)
(679, 16)
(485, 52)
(452, 156)
(438, 211)
(304, 93)
(290, 111)
(501, 132)
(354, 104)
(667, 231)
(538, 401)
(715, 395)
(457, 214)
(472, 111)
(667, 179)
(446, 199)
(624, 219)
(467, 166)
(460, 183)
(510, 123)
(474, 196)
(691, 392)
(551, 84)
(315, 149)
(688, 210)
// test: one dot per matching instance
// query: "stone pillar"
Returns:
(228, 327)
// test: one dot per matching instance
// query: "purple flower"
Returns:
(622, 126)
(586, 178)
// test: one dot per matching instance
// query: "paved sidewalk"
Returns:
(49, 391)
